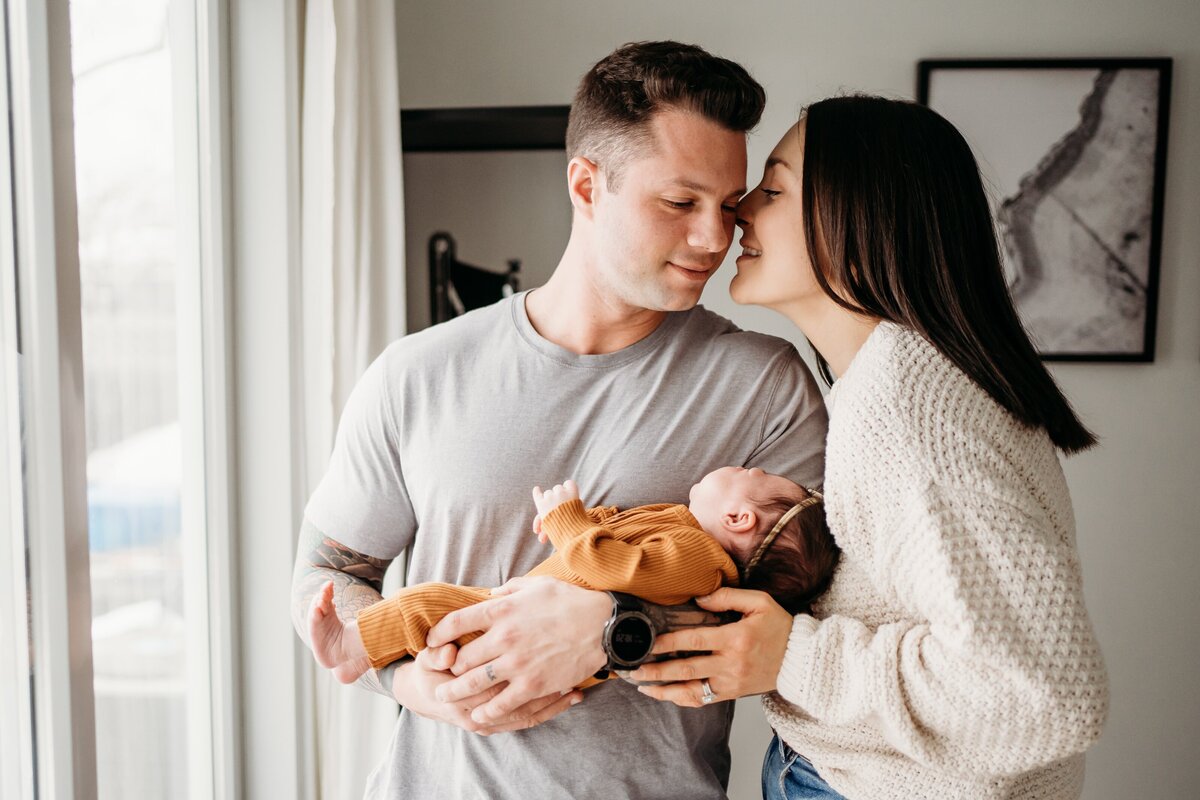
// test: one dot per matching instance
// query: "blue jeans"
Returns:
(787, 775)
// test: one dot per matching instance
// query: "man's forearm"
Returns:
(384, 679)
(357, 583)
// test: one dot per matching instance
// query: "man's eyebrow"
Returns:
(700, 187)
(775, 160)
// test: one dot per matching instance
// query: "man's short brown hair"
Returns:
(610, 117)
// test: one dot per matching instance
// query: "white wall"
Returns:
(1137, 505)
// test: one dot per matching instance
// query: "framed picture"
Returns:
(1073, 153)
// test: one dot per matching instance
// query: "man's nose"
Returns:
(745, 211)
(711, 231)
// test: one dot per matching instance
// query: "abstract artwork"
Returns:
(1073, 155)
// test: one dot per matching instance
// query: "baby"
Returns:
(741, 527)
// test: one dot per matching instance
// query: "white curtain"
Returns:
(353, 286)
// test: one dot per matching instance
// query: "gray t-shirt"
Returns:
(437, 450)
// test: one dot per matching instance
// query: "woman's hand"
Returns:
(745, 655)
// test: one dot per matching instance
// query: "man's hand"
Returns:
(540, 637)
(415, 687)
(745, 655)
(551, 499)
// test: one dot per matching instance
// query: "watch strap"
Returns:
(686, 615)
(673, 618)
(626, 602)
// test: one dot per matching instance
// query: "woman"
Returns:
(953, 655)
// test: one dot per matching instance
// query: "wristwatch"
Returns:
(662, 619)
(628, 634)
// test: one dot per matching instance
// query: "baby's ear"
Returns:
(743, 522)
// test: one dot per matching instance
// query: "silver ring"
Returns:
(709, 695)
(491, 673)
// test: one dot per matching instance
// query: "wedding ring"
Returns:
(709, 695)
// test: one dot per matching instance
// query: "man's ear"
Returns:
(583, 178)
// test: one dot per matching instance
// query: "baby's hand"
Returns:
(537, 528)
(553, 498)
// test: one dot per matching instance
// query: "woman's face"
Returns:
(774, 269)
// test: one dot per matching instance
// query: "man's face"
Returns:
(662, 234)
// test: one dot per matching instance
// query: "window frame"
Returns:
(198, 36)
(54, 494)
(16, 749)
(276, 669)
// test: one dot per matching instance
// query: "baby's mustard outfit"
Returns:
(658, 552)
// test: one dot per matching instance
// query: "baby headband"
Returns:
(813, 498)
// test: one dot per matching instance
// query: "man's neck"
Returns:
(576, 314)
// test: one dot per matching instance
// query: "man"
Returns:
(608, 374)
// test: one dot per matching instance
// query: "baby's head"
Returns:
(741, 508)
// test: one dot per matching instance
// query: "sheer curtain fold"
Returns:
(353, 290)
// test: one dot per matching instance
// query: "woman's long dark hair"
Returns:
(896, 218)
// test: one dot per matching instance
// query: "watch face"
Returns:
(631, 639)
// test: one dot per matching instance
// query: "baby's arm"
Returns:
(562, 493)
(597, 514)
(385, 632)
(397, 627)
(600, 514)
(669, 565)
(550, 499)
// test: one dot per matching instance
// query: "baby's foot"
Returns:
(336, 646)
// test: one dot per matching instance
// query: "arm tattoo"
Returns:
(357, 583)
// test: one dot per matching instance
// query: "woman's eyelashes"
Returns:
(771, 193)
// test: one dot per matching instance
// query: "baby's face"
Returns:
(729, 490)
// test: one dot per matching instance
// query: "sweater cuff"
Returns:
(565, 522)
(795, 674)
(379, 627)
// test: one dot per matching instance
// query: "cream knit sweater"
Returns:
(953, 656)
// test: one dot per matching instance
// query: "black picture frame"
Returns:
(442, 130)
(1127, 287)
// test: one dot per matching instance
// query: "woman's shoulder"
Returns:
(897, 373)
(906, 395)
(899, 370)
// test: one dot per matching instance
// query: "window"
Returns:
(155, 708)
(130, 275)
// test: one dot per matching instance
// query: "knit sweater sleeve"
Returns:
(994, 670)
(669, 565)
(601, 514)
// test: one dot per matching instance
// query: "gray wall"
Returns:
(497, 206)
(1136, 501)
